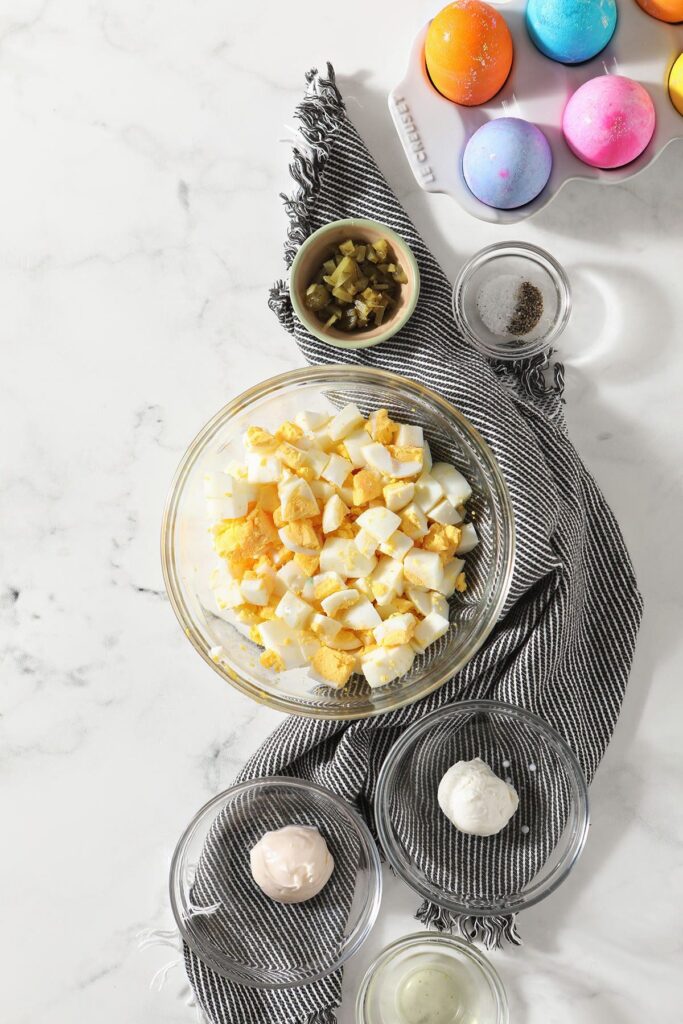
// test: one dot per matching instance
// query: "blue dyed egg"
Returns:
(571, 31)
(507, 162)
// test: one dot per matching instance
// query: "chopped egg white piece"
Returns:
(365, 542)
(292, 577)
(361, 615)
(400, 469)
(387, 580)
(337, 542)
(228, 595)
(414, 521)
(336, 470)
(325, 627)
(255, 591)
(444, 513)
(217, 485)
(317, 460)
(398, 545)
(384, 664)
(420, 597)
(396, 630)
(381, 522)
(379, 457)
(263, 469)
(292, 610)
(456, 488)
(354, 444)
(292, 544)
(423, 568)
(345, 640)
(450, 576)
(398, 494)
(228, 507)
(428, 491)
(339, 600)
(341, 555)
(310, 421)
(321, 489)
(283, 641)
(409, 436)
(468, 539)
(322, 585)
(333, 514)
(431, 628)
(345, 422)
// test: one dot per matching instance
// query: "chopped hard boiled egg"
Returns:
(384, 664)
(398, 494)
(334, 513)
(345, 422)
(340, 543)
(455, 486)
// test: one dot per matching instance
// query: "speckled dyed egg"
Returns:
(676, 84)
(571, 31)
(609, 121)
(468, 52)
(663, 10)
(507, 162)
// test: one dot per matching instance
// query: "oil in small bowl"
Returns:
(428, 978)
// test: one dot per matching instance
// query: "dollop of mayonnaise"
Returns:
(475, 799)
(291, 864)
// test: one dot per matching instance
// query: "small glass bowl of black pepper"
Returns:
(512, 300)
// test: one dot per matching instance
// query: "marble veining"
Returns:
(144, 148)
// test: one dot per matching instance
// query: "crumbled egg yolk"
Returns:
(336, 667)
(269, 659)
(258, 438)
(381, 428)
(366, 487)
(280, 548)
(289, 431)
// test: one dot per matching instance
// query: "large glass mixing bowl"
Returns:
(188, 556)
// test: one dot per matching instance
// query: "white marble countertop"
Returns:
(144, 146)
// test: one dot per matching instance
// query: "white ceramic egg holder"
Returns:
(434, 131)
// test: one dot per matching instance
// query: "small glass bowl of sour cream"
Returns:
(431, 977)
(483, 875)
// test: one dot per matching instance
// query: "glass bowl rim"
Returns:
(326, 374)
(366, 920)
(465, 948)
(554, 270)
(419, 729)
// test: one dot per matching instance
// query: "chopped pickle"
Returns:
(356, 286)
(317, 297)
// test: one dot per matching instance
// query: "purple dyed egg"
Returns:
(609, 121)
(507, 162)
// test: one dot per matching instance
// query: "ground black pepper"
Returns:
(528, 310)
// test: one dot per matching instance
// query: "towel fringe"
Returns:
(490, 931)
(318, 116)
(538, 377)
(322, 1017)
(280, 303)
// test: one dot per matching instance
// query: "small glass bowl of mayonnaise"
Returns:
(432, 977)
(232, 926)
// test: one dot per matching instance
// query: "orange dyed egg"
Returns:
(468, 52)
(664, 10)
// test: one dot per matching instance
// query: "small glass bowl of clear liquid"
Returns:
(430, 978)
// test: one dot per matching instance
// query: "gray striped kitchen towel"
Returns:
(564, 644)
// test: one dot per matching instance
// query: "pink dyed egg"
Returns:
(609, 121)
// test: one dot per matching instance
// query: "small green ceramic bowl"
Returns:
(313, 253)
